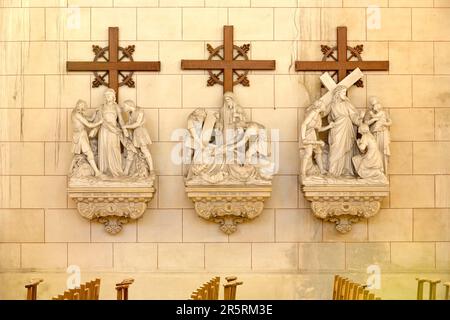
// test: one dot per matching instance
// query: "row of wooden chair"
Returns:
(210, 289)
(207, 291)
(87, 291)
(432, 288)
(345, 289)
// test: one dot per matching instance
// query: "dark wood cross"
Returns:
(228, 63)
(341, 64)
(113, 64)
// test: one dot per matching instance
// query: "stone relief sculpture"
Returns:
(347, 177)
(229, 166)
(108, 135)
(349, 159)
(225, 148)
(111, 154)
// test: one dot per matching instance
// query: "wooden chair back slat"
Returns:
(230, 288)
(447, 291)
(345, 289)
(432, 288)
(122, 288)
(31, 287)
(336, 286)
(207, 291)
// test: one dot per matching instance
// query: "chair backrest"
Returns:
(31, 287)
(447, 291)
(87, 291)
(345, 289)
(122, 288)
(208, 291)
(432, 288)
(229, 292)
(337, 279)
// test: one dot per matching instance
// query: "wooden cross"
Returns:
(114, 64)
(342, 63)
(329, 83)
(228, 63)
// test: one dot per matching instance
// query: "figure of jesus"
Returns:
(342, 135)
(109, 136)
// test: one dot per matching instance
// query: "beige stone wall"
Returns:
(286, 253)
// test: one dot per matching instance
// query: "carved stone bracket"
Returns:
(227, 205)
(345, 204)
(112, 207)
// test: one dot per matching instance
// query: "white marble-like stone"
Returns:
(100, 167)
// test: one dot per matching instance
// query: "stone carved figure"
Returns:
(139, 135)
(81, 147)
(355, 183)
(342, 135)
(350, 160)
(368, 165)
(379, 122)
(310, 128)
(114, 152)
(225, 148)
(109, 136)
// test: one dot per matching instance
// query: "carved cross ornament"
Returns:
(229, 59)
(114, 63)
(342, 59)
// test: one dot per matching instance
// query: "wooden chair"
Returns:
(88, 291)
(122, 289)
(207, 291)
(432, 288)
(230, 288)
(345, 289)
(337, 279)
(31, 287)
(447, 291)
(210, 290)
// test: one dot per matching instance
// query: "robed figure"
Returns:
(342, 135)
(109, 136)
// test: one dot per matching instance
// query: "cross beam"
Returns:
(228, 64)
(113, 65)
(341, 65)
